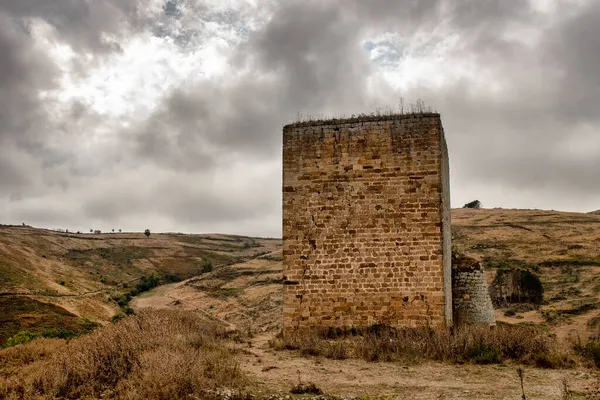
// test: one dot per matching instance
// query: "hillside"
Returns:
(84, 274)
(563, 249)
(55, 279)
(81, 275)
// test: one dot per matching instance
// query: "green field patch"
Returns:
(23, 314)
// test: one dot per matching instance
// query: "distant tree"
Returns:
(91, 231)
(79, 232)
(97, 231)
(119, 230)
(473, 204)
(113, 230)
(23, 223)
(67, 231)
(147, 232)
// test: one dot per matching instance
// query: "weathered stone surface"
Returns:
(470, 293)
(366, 223)
(516, 286)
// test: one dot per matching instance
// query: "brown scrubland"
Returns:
(152, 355)
(215, 333)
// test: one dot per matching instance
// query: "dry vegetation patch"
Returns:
(480, 345)
(152, 355)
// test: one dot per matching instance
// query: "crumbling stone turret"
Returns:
(470, 292)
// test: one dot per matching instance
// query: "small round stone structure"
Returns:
(472, 303)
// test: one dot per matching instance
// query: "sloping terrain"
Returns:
(242, 290)
(166, 354)
(26, 314)
(246, 295)
(83, 274)
(563, 249)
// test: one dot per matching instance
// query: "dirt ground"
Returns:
(278, 371)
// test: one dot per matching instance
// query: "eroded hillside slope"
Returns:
(83, 274)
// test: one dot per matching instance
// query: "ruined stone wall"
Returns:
(446, 231)
(366, 223)
(472, 301)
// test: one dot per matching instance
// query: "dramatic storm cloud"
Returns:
(167, 114)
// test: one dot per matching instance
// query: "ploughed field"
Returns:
(208, 316)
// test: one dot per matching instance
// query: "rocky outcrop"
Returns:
(516, 286)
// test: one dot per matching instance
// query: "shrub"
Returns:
(483, 353)
(146, 283)
(21, 338)
(25, 337)
(118, 316)
(123, 300)
(127, 310)
(590, 350)
(171, 278)
(157, 354)
(305, 388)
(205, 266)
(532, 287)
(336, 350)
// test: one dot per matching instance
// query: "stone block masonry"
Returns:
(470, 293)
(366, 223)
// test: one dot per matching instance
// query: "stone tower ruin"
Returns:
(366, 222)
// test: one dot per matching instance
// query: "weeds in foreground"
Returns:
(521, 374)
(480, 345)
(566, 393)
(152, 355)
(590, 351)
(305, 388)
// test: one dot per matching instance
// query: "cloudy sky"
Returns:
(167, 115)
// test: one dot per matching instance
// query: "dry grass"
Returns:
(481, 345)
(153, 355)
(82, 272)
(26, 314)
(402, 109)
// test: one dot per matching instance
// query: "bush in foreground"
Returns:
(152, 355)
(590, 351)
(480, 345)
